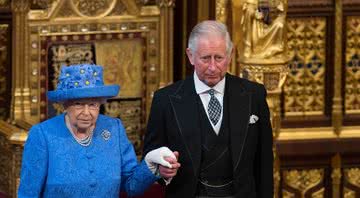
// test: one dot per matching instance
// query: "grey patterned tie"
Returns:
(214, 107)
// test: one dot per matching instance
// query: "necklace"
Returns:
(82, 141)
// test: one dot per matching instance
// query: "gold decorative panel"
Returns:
(318, 194)
(129, 111)
(352, 175)
(123, 65)
(67, 54)
(4, 3)
(4, 78)
(5, 164)
(349, 193)
(93, 8)
(304, 88)
(352, 65)
(287, 194)
(303, 182)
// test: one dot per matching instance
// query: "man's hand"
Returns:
(166, 172)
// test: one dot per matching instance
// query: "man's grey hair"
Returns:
(209, 28)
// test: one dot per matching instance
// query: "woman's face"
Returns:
(83, 113)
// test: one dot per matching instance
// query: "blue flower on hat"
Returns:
(82, 81)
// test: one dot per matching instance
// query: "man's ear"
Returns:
(190, 56)
(232, 53)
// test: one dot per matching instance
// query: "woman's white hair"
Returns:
(209, 27)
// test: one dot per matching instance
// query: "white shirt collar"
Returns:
(201, 87)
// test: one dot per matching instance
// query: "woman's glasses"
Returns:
(81, 106)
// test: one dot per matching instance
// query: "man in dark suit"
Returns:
(219, 124)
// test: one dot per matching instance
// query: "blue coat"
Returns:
(55, 165)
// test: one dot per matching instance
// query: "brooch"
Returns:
(106, 134)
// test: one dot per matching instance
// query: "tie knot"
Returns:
(211, 92)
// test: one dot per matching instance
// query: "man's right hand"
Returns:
(166, 172)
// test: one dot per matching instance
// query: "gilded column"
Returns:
(337, 99)
(336, 175)
(203, 10)
(166, 44)
(221, 12)
(20, 84)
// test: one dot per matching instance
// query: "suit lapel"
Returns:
(239, 103)
(185, 107)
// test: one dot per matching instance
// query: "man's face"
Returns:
(210, 59)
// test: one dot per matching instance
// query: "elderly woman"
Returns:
(82, 153)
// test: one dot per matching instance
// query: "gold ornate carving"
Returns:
(337, 107)
(4, 32)
(304, 88)
(20, 5)
(5, 165)
(16, 164)
(261, 48)
(131, 115)
(123, 64)
(319, 193)
(69, 54)
(119, 9)
(220, 11)
(167, 3)
(352, 175)
(66, 11)
(131, 7)
(352, 71)
(4, 3)
(336, 175)
(93, 8)
(287, 194)
(303, 180)
(263, 40)
(41, 4)
(349, 193)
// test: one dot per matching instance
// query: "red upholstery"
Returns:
(155, 191)
(2, 195)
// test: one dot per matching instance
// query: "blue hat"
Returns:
(82, 81)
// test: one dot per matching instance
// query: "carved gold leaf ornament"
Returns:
(352, 71)
(349, 193)
(4, 3)
(287, 194)
(93, 8)
(4, 29)
(303, 180)
(352, 175)
(42, 4)
(304, 90)
(319, 193)
(221, 10)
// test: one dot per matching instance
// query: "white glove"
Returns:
(156, 157)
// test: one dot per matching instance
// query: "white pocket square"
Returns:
(253, 119)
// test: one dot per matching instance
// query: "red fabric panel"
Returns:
(155, 191)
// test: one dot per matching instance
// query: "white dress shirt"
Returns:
(202, 89)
